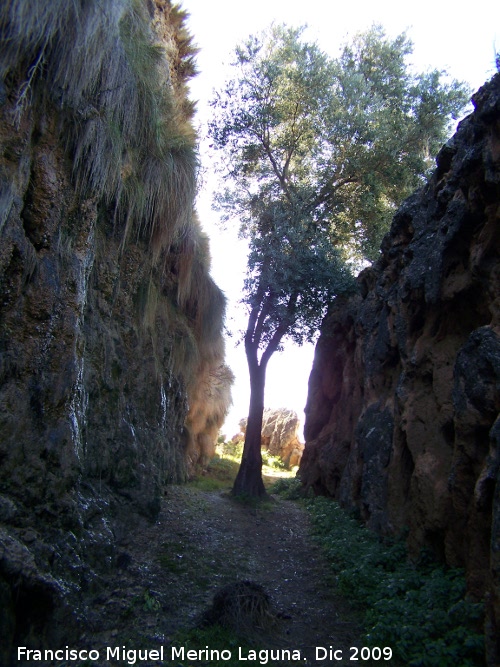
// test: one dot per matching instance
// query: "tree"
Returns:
(317, 154)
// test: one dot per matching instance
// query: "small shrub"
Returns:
(274, 462)
(232, 450)
(150, 602)
(243, 606)
(289, 488)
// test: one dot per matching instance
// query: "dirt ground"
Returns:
(168, 572)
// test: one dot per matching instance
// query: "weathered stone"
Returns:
(110, 324)
(280, 429)
(404, 394)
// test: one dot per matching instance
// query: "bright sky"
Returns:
(462, 40)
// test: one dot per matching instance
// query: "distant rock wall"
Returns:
(112, 376)
(404, 395)
(280, 427)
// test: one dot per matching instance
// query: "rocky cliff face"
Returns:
(112, 381)
(402, 415)
(280, 428)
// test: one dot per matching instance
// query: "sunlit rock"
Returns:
(280, 428)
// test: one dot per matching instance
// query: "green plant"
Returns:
(420, 610)
(231, 450)
(289, 488)
(210, 481)
(150, 602)
(271, 461)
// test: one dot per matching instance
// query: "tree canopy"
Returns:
(317, 153)
(347, 137)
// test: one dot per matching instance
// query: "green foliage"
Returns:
(334, 144)
(265, 125)
(222, 469)
(274, 462)
(231, 450)
(219, 474)
(419, 610)
(150, 602)
(289, 488)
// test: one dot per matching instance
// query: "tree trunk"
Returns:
(248, 481)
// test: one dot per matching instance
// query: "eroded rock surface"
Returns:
(404, 394)
(280, 427)
(112, 376)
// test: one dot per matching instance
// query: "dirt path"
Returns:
(168, 573)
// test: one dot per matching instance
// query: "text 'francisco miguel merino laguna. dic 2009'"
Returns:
(138, 656)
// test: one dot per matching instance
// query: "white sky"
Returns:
(460, 39)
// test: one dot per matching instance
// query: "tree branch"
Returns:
(327, 192)
(250, 345)
(294, 142)
(264, 312)
(281, 330)
(280, 176)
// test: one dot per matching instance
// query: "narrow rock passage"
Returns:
(168, 573)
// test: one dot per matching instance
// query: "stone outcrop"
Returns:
(404, 395)
(112, 376)
(280, 429)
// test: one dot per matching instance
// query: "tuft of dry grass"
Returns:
(118, 92)
(103, 68)
(243, 606)
(210, 399)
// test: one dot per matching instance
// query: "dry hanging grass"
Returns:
(101, 66)
(117, 90)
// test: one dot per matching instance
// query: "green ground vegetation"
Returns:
(223, 468)
(420, 609)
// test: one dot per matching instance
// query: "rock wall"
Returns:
(280, 428)
(110, 324)
(402, 414)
